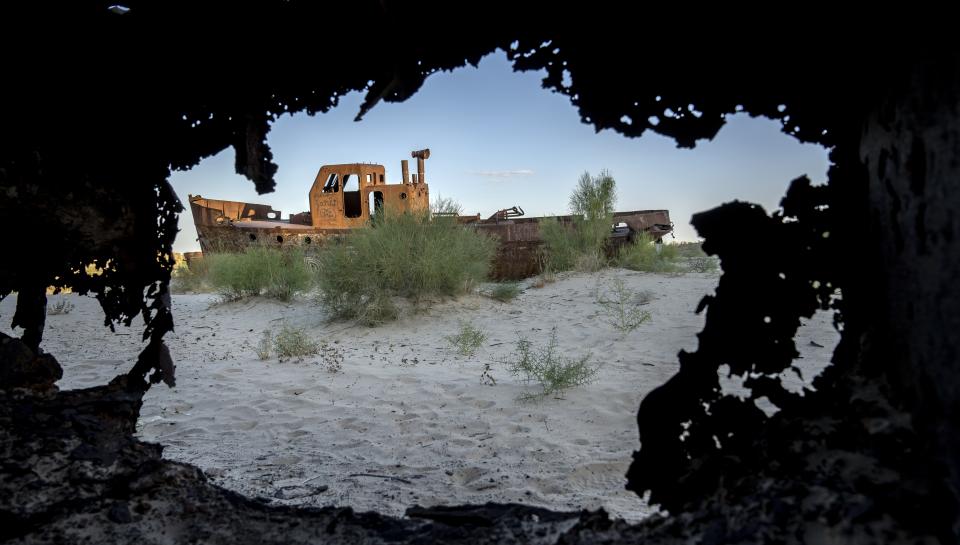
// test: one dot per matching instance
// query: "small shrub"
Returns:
(293, 342)
(263, 348)
(60, 307)
(592, 202)
(290, 274)
(505, 291)
(443, 206)
(545, 277)
(235, 276)
(689, 249)
(468, 340)
(669, 252)
(271, 272)
(641, 255)
(400, 255)
(622, 306)
(702, 264)
(594, 196)
(560, 247)
(579, 245)
(553, 372)
(575, 245)
(189, 278)
(590, 262)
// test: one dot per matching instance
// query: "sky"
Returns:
(497, 139)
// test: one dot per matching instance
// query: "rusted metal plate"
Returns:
(516, 260)
(214, 211)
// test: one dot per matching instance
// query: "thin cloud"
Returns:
(504, 173)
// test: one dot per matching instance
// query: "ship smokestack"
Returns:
(420, 156)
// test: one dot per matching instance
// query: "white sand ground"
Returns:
(406, 421)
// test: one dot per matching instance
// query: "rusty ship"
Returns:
(344, 197)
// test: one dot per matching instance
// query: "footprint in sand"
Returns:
(180, 408)
(245, 425)
(546, 486)
(467, 475)
(94, 365)
(191, 431)
(360, 443)
(240, 411)
(288, 460)
(484, 404)
(352, 424)
(598, 476)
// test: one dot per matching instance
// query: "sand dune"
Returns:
(407, 420)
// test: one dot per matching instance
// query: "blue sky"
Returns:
(497, 139)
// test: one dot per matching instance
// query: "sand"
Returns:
(406, 420)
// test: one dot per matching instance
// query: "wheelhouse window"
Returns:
(333, 183)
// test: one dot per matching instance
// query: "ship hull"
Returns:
(231, 226)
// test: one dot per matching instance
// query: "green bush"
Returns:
(236, 275)
(444, 206)
(265, 346)
(259, 271)
(641, 255)
(60, 307)
(400, 255)
(689, 249)
(579, 245)
(553, 372)
(505, 291)
(572, 246)
(595, 196)
(293, 342)
(561, 247)
(592, 203)
(622, 306)
(702, 264)
(669, 252)
(189, 279)
(468, 340)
